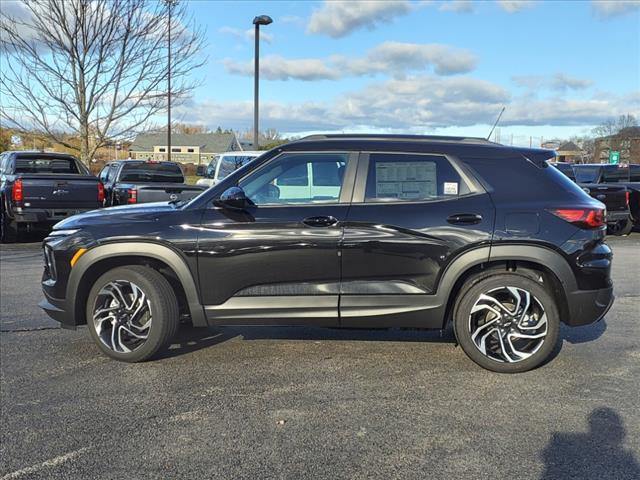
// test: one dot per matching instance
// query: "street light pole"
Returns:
(257, 21)
(170, 4)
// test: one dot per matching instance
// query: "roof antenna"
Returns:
(495, 124)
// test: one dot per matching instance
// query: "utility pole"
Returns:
(257, 21)
(170, 4)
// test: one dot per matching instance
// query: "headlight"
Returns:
(63, 233)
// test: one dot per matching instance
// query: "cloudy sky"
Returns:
(422, 67)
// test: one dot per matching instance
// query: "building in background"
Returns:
(569, 152)
(626, 142)
(198, 148)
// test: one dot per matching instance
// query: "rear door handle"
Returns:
(464, 219)
(320, 221)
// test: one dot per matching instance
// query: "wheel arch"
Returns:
(531, 260)
(102, 258)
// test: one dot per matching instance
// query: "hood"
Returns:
(121, 214)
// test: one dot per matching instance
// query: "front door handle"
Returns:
(464, 219)
(320, 221)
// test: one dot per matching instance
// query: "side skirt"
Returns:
(356, 311)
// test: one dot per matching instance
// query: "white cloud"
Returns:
(393, 58)
(417, 104)
(613, 8)
(274, 67)
(246, 35)
(459, 6)
(339, 18)
(513, 6)
(559, 82)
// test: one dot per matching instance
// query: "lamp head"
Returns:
(262, 20)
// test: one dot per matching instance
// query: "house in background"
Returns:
(626, 141)
(198, 148)
(568, 152)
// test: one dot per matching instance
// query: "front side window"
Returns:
(291, 179)
(412, 177)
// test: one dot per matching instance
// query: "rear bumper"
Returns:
(45, 215)
(588, 306)
(613, 217)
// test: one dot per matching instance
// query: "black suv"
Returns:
(347, 231)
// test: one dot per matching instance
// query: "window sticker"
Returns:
(450, 188)
(406, 180)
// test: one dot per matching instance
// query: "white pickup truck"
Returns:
(224, 164)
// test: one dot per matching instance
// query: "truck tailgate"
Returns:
(161, 192)
(613, 196)
(60, 191)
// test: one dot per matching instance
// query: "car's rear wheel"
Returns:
(506, 322)
(8, 229)
(132, 313)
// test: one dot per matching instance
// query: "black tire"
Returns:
(164, 311)
(623, 227)
(497, 282)
(8, 229)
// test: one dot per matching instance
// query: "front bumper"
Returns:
(588, 306)
(57, 312)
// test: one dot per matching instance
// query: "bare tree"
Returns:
(93, 69)
(613, 126)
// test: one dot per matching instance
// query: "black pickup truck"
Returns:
(39, 189)
(136, 181)
(613, 186)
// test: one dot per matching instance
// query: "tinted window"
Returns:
(151, 172)
(230, 163)
(104, 174)
(634, 173)
(586, 174)
(46, 165)
(288, 179)
(614, 174)
(411, 177)
(566, 169)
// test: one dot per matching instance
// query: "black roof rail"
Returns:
(395, 137)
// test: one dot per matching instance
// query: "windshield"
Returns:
(46, 165)
(152, 173)
(587, 174)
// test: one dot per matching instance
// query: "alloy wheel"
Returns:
(122, 316)
(508, 324)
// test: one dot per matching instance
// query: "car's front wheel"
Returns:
(506, 322)
(132, 313)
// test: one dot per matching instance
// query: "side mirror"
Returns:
(201, 170)
(233, 198)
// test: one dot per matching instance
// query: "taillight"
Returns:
(581, 217)
(17, 193)
(100, 192)
(133, 196)
(627, 195)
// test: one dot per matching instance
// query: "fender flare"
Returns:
(151, 250)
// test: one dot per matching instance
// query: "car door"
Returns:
(411, 215)
(277, 262)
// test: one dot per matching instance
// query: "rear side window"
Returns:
(412, 177)
(615, 174)
(151, 173)
(45, 165)
(634, 173)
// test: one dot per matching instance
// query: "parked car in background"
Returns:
(350, 231)
(610, 184)
(566, 168)
(224, 164)
(38, 189)
(137, 181)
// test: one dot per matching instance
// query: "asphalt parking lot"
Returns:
(305, 402)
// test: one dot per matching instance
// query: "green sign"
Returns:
(614, 157)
